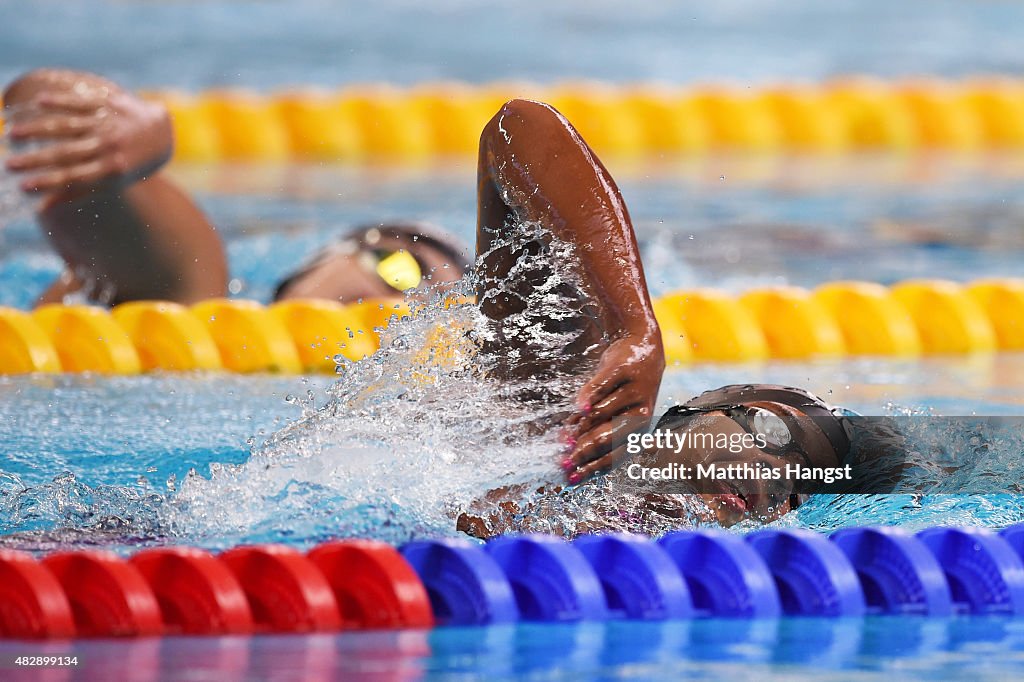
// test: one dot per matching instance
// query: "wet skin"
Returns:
(124, 230)
(534, 166)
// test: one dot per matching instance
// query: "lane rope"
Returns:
(839, 319)
(380, 122)
(365, 584)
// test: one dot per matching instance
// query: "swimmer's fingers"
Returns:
(53, 127)
(604, 464)
(626, 397)
(603, 446)
(57, 155)
(67, 178)
(73, 102)
(602, 385)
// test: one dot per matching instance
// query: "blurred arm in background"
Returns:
(123, 229)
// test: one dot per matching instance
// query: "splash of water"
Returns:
(415, 435)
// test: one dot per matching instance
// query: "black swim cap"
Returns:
(811, 405)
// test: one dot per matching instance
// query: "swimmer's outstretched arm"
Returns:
(125, 231)
(534, 166)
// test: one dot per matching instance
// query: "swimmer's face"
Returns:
(762, 499)
(349, 270)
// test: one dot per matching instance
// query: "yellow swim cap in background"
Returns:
(400, 270)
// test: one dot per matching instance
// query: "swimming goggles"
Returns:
(397, 267)
(771, 427)
(759, 422)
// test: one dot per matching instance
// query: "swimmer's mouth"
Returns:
(733, 498)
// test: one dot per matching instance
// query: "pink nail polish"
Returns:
(575, 477)
(587, 407)
(570, 442)
(567, 463)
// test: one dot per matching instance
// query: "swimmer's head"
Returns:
(378, 261)
(764, 425)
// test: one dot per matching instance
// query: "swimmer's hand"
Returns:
(92, 133)
(618, 400)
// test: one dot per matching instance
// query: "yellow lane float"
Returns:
(323, 329)
(807, 120)
(942, 118)
(167, 336)
(317, 128)
(453, 116)
(874, 119)
(593, 109)
(249, 126)
(795, 324)
(24, 346)
(999, 106)
(666, 121)
(947, 319)
(248, 336)
(196, 136)
(737, 120)
(678, 349)
(1003, 303)
(718, 327)
(871, 321)
(388, 127)
(88, 339)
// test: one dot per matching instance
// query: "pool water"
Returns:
(876, 648)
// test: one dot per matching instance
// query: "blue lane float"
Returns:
(465, 584)
(640, 580)
(897, 572)
(984, 573)
(1015, 536)
(725, 576)
(551, 580)
(813, 576)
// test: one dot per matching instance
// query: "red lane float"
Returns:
(108, 596)
(286, 591)
(374, 585)
(197, 593)
(32, 602)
